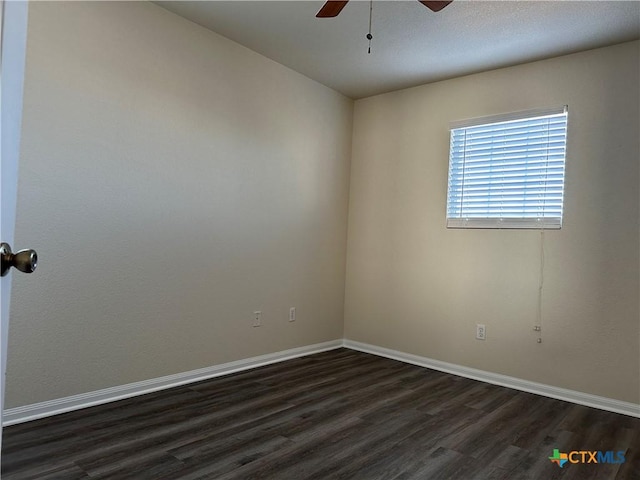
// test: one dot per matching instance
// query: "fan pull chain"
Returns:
(369, 36)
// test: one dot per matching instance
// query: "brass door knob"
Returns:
(25, 260)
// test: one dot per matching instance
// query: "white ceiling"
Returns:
(411, 44)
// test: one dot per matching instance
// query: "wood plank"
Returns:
(336, 414)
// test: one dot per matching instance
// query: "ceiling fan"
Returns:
(332, 8)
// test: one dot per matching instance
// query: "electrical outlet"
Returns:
(292, 314)
(257, 318)
(481, 332)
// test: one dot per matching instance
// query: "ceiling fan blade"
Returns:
(331, 9)
(435, 6)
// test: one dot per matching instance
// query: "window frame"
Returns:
(492, 221)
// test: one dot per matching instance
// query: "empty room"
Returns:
(320, 240)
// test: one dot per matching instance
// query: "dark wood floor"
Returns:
(335, 415)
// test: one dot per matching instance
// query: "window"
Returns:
(507, 171)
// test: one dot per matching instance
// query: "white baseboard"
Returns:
(12, 416)
(603, 403)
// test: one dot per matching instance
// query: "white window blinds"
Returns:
(507, 171)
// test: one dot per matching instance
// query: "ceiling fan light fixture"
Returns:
(333, 7)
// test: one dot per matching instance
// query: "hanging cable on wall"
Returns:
(538, 326)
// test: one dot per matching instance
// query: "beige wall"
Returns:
(172, 182)
(414, 286)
